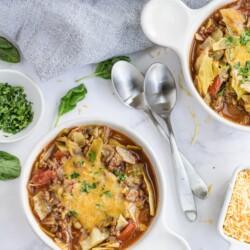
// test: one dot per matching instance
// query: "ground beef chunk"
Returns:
(218, 103)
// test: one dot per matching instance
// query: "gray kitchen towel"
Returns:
(56, 35)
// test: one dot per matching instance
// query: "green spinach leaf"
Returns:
(8, 52)
(10, 167)
(70, 100)
(104, 68)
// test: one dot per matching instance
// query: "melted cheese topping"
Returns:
(238, 54)
(237, 221)
(95, 195)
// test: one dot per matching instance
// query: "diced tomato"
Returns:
(43, 177)
(215, 87)
(127, 231)
(60, 154)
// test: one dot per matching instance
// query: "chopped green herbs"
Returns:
(245, 38)
(92, 185)
(15, 110)
(236, 41)
(92, 156)
(100, 170)
(85, 186)
(104, 68)
(116, 172)
(73, 213)
(99, 205)
(74, 175)
(107, 193)
(70, 100)
(122, 177)
(243, 71)
(229, 40)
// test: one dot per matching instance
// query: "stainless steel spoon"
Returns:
(160, 92)
(128, 84)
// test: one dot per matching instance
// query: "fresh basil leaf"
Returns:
(104, 68)
(70, 100)
(8, 52)
(10, 167)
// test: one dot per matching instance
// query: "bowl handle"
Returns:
(235, 246)
(166, 22)
(163, 237)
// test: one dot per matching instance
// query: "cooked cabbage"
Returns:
(234, 21)
(95, 238)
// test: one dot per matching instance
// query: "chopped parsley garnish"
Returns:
(244, 39)
(229, 40)
(99, 205)
(116, 172)
(122, 177)
(107, 193)
(74, 175)
(92, 185)
(92, 156)
(73, 213)
(100, 170)
(243, 71)
(87, 186)
(15, 110)
(81, 163)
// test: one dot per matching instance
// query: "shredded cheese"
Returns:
(197, 127)
(210, 188)
(237, 221)
(102, 202)
(208, 119)
(182, 85)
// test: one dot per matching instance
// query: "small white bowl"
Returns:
(16, 78)
(158, 236)
(234, 244)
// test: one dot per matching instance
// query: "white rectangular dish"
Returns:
(234, 243)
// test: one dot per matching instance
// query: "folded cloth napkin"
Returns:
(56, 35)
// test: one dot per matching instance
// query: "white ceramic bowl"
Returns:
(16, 78)
(171, 23)
(158, 236)
(234, 244)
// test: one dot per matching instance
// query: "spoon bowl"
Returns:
(161, 97)
(128, 84)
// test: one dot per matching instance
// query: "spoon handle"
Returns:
(197, 184)
(185, 193)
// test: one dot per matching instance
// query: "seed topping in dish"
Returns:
(237, 221)
(220, 61)
(93, 188)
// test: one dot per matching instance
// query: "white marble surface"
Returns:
(215, 154)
